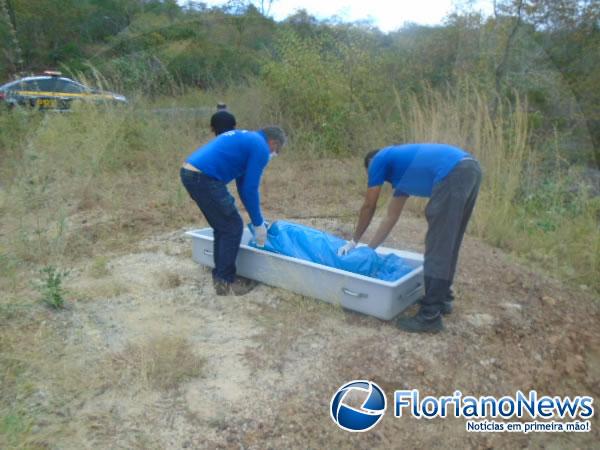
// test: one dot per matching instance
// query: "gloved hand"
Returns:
(346, 248)
(260, 234)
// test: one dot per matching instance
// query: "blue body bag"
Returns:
(309, 244)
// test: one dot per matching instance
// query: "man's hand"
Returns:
(260, 234)
(346, 248)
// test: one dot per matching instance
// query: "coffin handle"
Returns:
(354, 294)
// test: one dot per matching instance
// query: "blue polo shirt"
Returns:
(414, 169)
(241, 155)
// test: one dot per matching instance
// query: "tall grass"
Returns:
(541, 214)
(117, 163)
(499, 142)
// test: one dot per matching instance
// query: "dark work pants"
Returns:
(218, 206)
(448, 213)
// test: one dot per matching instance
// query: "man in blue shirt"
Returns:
(242, 156)
(450, 177)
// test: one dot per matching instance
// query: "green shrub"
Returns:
(51, 287)
(331, 93)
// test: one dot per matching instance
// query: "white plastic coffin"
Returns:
(378, 298)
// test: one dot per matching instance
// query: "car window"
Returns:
(39, 84)
(69, 86)
(20, 86)
(12, 85)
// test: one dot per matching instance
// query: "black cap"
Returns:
(222, 121)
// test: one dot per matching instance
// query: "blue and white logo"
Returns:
(358, 419)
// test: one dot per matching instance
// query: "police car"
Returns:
(52, 91)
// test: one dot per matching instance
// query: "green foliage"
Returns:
(51, 287)
(309, 89)
(14, 428)
(332, 87)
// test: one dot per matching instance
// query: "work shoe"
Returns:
(238, 287)
(420, 324)
(446, 308)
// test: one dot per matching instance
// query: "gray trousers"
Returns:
(448, 213)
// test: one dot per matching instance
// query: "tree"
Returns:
(11, 50)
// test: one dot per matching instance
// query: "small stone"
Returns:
(549, 300)
(480, 320)
(514, 306)
(554, 339)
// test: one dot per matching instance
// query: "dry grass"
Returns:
(302, 189)
(123, 162)
(169, 280)
(500, 143)
(100, 289)
(34, 363)
(161, 362)
(99, 267)
(283, 324)
(46, 378)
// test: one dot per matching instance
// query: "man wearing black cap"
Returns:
(222, 121)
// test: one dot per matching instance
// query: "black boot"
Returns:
(448, 303)
(438, 297)
(446, 308)
(420, 323)
(238, 287)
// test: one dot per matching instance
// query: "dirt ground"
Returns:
(150, 358)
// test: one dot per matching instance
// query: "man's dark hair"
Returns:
(275, 133)
(222, 121)
(369, 156)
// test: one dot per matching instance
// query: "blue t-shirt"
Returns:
(241, 155)
(414, 169)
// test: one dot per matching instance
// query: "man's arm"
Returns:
(393, 213)
(248, 185)
(367, 210)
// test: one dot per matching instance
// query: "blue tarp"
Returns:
(309, 244)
